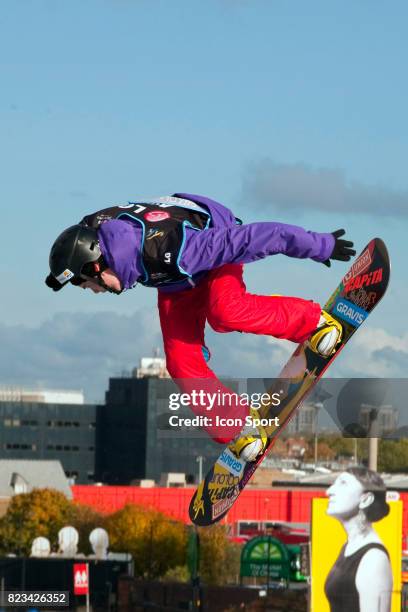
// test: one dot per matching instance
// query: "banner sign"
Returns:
(81, 579)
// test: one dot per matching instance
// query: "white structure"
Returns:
(99, 540)
(151, 367)
(46, 396)
(40, 547)
(23, 475)
(18, 483)
(68, 541)
(147, 483)
(172, 479)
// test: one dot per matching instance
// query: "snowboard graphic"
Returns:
(356, 296)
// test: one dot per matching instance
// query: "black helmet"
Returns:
(73, 249)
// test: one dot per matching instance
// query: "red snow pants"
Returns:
(222, 300)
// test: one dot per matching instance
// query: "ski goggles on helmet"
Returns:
(92, 271)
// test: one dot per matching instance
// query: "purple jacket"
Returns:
(224, 242)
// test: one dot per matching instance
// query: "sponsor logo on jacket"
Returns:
(156, 215)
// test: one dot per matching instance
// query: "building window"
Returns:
(248, 528)
(71, 474)
(12, 423)
(59, 447)
(66, 424)
(29, 447)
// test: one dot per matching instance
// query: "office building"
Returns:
(134, 440)
(43, 430)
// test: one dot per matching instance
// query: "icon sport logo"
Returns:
(349, 312)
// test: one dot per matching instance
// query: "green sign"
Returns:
(299, 558)
(265, 556)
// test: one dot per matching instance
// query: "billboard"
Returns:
(328, 537)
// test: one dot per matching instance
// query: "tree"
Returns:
(393, 455)
(280, 448)
(156, 542)
(84, 519)
(42, 512)
(342, 446)
(324, 452)
(219, 558)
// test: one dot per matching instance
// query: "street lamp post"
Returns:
(200, 460)
(317, 407)
(373, 439)
(355, 451)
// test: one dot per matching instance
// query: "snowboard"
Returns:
(358, 293)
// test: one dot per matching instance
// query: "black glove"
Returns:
(343, 249)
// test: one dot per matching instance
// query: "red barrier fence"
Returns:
(288, 505)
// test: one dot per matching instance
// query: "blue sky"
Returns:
(281, 110)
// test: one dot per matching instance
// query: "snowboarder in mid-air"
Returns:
(192, 249)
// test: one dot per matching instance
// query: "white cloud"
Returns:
(376, 339)
(375, 352)
(81, 351)
(77, 351)
(297, 186)
(247, 355)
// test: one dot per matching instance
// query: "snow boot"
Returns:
(251, 441)
(327, 336)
